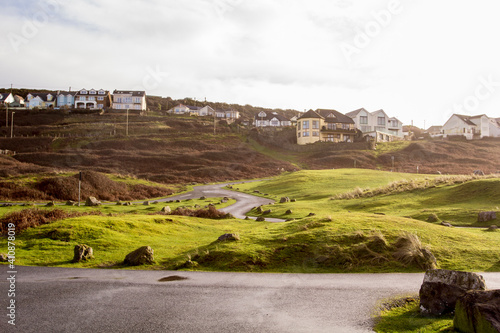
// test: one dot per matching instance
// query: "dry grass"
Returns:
(409, 251)
(210, 213)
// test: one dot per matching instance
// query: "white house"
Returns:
(184, 109)
(129, 99)
(65, 99)
(271, 119)
(377, 124)
(92, 99)
(6, 98)
(471, 127)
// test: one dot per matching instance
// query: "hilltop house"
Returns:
(435, 131)
(65, 99)
(6, 98)
(271, 119)
(41, 100)
(184, 109)
(471, 127)
(129, 99)
(325, 125)
(377, 125)
(92, 99)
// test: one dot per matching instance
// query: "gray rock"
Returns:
(92, 201)
(146, 203)
(141, 256)
(486, 216)
(259, 210)
(493, 228)
(311, 214)
(478, 311)
(442, 288)
(71, 203)
(269, 211)
(166, 210)
(284, 199)
(288, 211)
(82, 252)
(229, 237)
(50, 204)
(260, 219)
(446, 224)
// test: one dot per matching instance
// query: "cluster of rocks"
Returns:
(475, 308)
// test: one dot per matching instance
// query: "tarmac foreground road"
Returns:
(97, 300)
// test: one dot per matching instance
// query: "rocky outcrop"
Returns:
(92, 201)
(82, 252)
(442, 288)
(229, 237)
(486, 216)
(478, 311)
(141, 256)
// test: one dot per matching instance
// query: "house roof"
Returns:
(355, 112)
(311, 114)
(138, 93)
(43, 96)
(60, 92)
(337, 116)
(4, 96)
(465, 119)
(271, 115)
(434, 129)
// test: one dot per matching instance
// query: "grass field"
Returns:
(344, 235)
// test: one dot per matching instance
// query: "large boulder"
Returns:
(141, 256)
(166, 210)
(92, 201)
(478, 311)
(486, 216)
(442, 288)
(284, 199)
(229, 237)
(82, 252)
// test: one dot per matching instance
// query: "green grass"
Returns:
(407, 319)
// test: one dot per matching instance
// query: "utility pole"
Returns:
(126, 130)
(215, 122)
(12, 126)
(79, 188)
(7, 116)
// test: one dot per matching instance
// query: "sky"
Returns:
(419, 61)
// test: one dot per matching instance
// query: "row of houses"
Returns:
(81, 99)
(204, 111)
(470, 127)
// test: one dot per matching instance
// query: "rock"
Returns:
(493, 228)
(478, 311)
(203, 198)
(288, 211)
(128, 203)
(293, 200)
(311, 214)
(256, 191)
(118, 203)
(269, 211)
(260, 219)
(259, 210)
(284, 199)
(433, 218)
(442, 288)
(70, 203)
(4, 257)
(228, 237)
(92, 201)
(146, 203)
(446, 224)
(478, 172)
(141, 256)
(166, 210)
(82, 252)
(50, 204)
(177, 201)
(189, 264)
(486, 216)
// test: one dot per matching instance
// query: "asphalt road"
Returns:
(244, 202)
(92, 300)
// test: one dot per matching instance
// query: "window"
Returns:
(332, 126)
(92, 92)
(83, 92)
(91, 98)
(381, 121)
(119, 100)
(346, 126)
(315, 124)
(363, 119)
(298, 134)
(305, 124)
(101, 92)
(100, 98)
(347, 138)
(81, 98)
(330, 138)
(100, 106)
(298, 126)
(137, 100)
(118, 106)
(306, 133)
(275, 122)
(137, 107)
(315, 133)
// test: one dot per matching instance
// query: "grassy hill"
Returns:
(364, 234)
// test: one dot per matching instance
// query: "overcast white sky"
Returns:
(418, 60)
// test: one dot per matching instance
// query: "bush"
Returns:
(210, 213)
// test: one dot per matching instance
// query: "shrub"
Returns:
(210, 213)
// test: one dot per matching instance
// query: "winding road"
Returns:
(244, 202)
